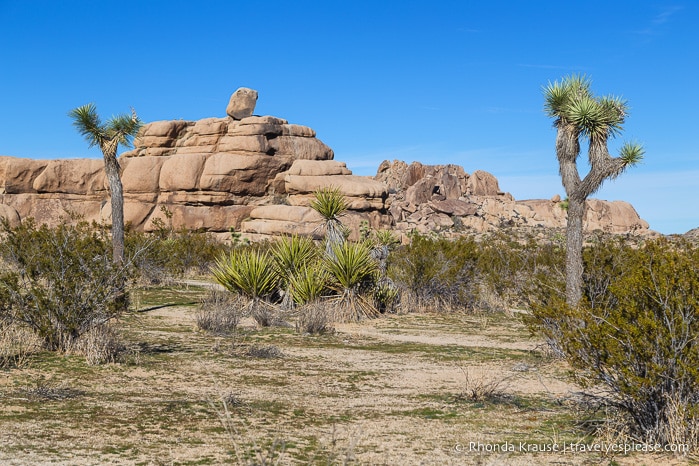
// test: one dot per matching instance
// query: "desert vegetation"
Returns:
(341, 352)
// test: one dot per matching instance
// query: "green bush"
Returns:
(504, 268)
(437, 271)
(636, 335)
(167, 253)
(60, 282)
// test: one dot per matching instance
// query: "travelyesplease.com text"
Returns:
(568, 448)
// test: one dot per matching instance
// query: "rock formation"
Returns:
(443, 197)
(256, 175)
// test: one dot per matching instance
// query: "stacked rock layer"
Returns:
(257, 175)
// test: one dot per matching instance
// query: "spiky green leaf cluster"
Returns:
(329, 202)
(292, 253)
(247, 271)
(351, 267)
(353, 272)
(570, 101)
(558, 95)
(632, 153)
(119, 129)
(309, 283)
(385, 238)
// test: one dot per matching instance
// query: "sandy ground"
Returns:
(385, 391)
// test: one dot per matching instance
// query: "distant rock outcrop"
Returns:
(428, 198)
(257, 175)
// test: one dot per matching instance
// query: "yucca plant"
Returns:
(292, 254)
(385, 238)
(309, 283)
(386, 296)
(247, 271)
(330, 203)
(352, 272)
(253, 274)
(383, 241)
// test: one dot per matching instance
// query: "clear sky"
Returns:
(434, 81)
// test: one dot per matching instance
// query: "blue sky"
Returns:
(434, 81)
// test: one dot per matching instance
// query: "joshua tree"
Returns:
(579, 113)
(117, 130)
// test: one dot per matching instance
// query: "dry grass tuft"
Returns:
(220, 312)
(46, 389)
(100, 345)
(265, 352)
(17, 344)
(481, 388)
(410, 302)
(246, 455)
(315, 319)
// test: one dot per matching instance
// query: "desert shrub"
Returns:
(383, 242)
(220, 312)
(636, 335)
(43, 388)
(165, 254)
(504, 266)
(437, 271)
(265, 314)
(191, 250)
(60, 282)
(481, 387)
(386, 296)
(264, 352)
(314, 318)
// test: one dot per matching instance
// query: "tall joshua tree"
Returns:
(107, 136)
(577, 114)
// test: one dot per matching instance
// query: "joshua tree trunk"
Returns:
(574, 244)
(567, 149)
(116, 192)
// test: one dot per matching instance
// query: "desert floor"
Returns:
(437, 388)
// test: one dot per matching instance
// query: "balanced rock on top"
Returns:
(242, 103)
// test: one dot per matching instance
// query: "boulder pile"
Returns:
(257, 174)
(429, 198)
